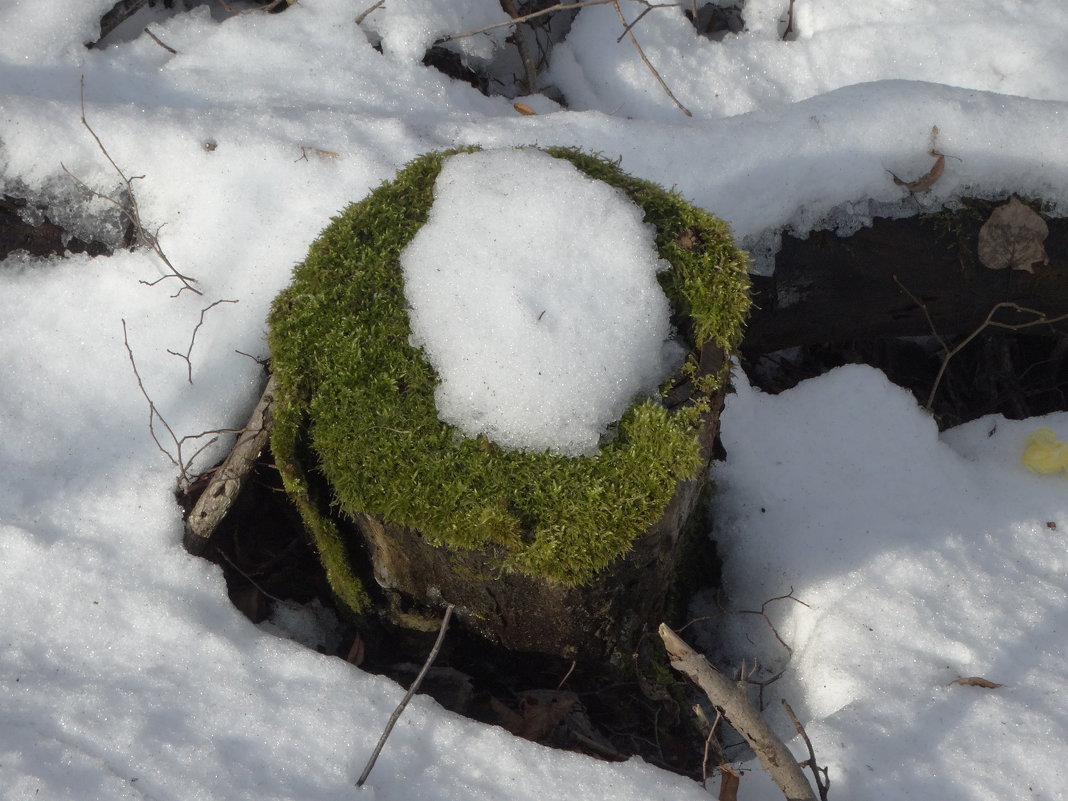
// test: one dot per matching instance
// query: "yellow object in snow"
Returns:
(1045, 453)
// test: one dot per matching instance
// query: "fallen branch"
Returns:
(228, 481)
(725, 694)
(130, 210)
(192, 340)
(407, 697)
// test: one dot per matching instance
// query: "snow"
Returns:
(532, 290)
(921, 557)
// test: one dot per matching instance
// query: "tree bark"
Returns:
(589, 623)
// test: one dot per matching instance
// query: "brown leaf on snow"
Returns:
(927, 180)
(977, 681)
(1013, 237)
(524, 109)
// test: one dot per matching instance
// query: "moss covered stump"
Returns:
(570, 556)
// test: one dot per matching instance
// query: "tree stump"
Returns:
(569, 556)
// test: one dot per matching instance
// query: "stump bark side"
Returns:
(588, 623)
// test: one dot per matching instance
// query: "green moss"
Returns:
(350, 384)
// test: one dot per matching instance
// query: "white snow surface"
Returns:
(124, 670)
(533, 293)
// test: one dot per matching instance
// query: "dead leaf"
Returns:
(687, 240)
(251, 602)
(537, 716)
(729, 779)
(927, 180)
(1051, 525)
(524, 109)
(317, 151)
(1013, 237)
(357, 651)
(976, 681)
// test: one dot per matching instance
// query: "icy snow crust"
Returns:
(124, 670)
(533, 293)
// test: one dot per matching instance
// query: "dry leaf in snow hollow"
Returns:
(977, 681)
(1013, 237)
(927, 180)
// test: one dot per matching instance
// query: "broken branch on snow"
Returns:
(725, 694)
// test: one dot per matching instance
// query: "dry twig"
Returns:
(177, 458)
(524, 18)
(708, 748)
(789, 29)
(192, 340)
(157, 40)
(648, 63)
(628, 30)
(823, 780)
(270, 5)
(407, 697)
(1040, 318)
(130, 210)
(764, 614)
(365, 14)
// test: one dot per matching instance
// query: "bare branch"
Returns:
(989, 322)
(789, 22)
(177, 458)
(407, 697)
(524, 18)
(130, 210)
(773, 754)
(156, 39)
(649, 64)
(764, 614)
(823, 781)
(708, 748)
(365, 14)
(648, 7)
(192, 340)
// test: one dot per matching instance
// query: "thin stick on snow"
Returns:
(823, 781)
(130, 209)
(645, 59)
(365, 14)
(178, 459)
(187, 356)
(407, 697)
(524, 18)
